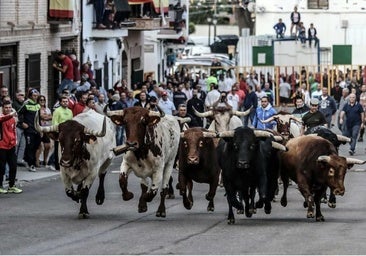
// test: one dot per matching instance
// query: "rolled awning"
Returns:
(61, 9)
(156, 3)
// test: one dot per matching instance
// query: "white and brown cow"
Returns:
(151, 146)
(85, 151)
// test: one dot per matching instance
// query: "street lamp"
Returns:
(214, 21)
(209, 20)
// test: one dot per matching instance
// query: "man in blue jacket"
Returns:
(328, 106)
(280, 28)
(264, 112)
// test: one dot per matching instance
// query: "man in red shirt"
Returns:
(67, 70)
(8, 142)
(81, 104)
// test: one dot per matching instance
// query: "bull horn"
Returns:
(261, 133)
(296, 119)
(226, 134)
(278, 138)
(343, 138)
(324, 159)
(242, 113)
(183, 120)
(115, 113)
(209, 134)
(154, 113)
(95, 133)
(182, 134)
(268, 120)
(354, 161)
(279, 146)
(312, 134)
(52, 128)
(204, 114)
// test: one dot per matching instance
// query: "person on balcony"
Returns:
(312, 35)
(99, 13)
(295, 20)
(280, 29)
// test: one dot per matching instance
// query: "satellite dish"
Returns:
(251, 7)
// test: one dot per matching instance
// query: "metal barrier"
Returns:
(326, 75)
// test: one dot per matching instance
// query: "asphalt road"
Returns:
(42, 220)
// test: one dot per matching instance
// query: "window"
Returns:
(33, 71)
(318, 4)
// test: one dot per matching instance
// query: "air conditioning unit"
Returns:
(344, 23)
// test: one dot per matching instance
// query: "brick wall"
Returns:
(33, 34)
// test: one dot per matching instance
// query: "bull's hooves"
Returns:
(188, 206)
(177, 186)
(231, 221)
(332, 205)
(99, 201)
(127, 196)
(248, 215)
(240, 211)
(170, 196)
(283, 203)
(210, 209)
(324, 201)
(267, 211)
(321, 218)
(161, 214)
(142, 209)
(252, 210)
(310, 215)
(83, 216)
(305, 205)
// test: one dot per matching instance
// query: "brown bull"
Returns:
(313, 163)
(197, 162)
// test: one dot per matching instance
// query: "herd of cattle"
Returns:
(249, 161)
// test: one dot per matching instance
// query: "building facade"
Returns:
(28, 38)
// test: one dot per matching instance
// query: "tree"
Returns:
(244, 17)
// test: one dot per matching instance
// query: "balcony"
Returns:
(109, 33)
(147, 24)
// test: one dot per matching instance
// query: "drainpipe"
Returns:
(81, 40)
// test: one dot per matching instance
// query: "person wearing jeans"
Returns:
(355, 116)
(7, 148)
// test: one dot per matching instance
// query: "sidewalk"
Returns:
(24, 176)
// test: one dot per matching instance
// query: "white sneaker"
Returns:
(23, 163)
(51, 167)
(32, 169)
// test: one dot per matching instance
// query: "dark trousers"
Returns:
(99, 11)
(32, 142)
(8, 156)
(55, 154)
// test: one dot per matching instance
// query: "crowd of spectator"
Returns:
(180, 95)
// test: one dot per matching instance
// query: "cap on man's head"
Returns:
(33, 91)
(314, 101)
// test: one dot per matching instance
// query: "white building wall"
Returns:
(327, 22)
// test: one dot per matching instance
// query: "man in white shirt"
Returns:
(166, 105)
(212, 96)
(233, 98)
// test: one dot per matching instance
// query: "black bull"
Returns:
(244, 156)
